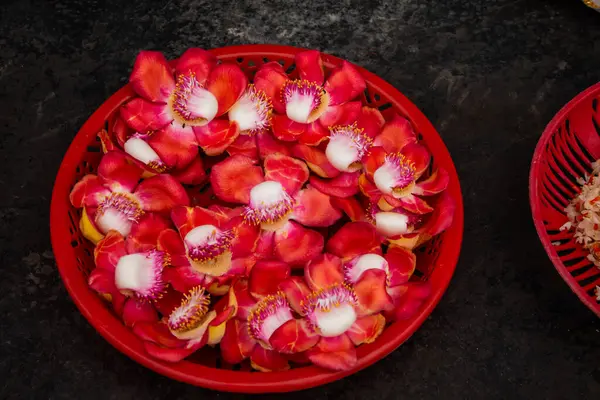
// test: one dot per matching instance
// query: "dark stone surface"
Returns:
(488, 74)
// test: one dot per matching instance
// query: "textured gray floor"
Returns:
(488, 74)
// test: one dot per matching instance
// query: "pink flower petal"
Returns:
(270, 78)
(337, 361)
(267, 144)
(265, 245)
(216, 136)
(151, 77)
(109, 250)
(268, 360)
(344, 84)
(144, 234)
(236, 344)
(246, 239)
(371, 121)
(295, 290)
(290, 172)
(371, 292)
(89, 186)
(233, 178)
(293, 337)
(354, 239)
(118, 173)
(175, 145)
(343, 114)
(135, 311)
(414, 204)
(161, 193)
(313, 208)
(157, 332)
(285, 129)
(296, 245)
(323, 271)
(310, 66)
(245, 145)
(316, 160)
(266, 276)
(192, 174)
(314, 134)
(197, 61)
(144, 116)
(240, 298)
(410, 301)
(366, 329)
(226, 82)
(350, 206)
(336, 343)
(436, 183)
(183, 279)
(401, 263)
(343, 185)
(169, 354)
(397, 133)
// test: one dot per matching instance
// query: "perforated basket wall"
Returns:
(74, 254)
(565, 152)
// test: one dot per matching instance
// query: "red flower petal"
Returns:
(170, 242)
(267, 144)
(337, 361)
(371, 121)
(310, 66)
(151, 76)
(226, 82)
(343, 185)
(316, 160)
(344, 84)
(285, 129)
(350, 206)
(188, 218)
(160, 193)
(410, 302)
(176, 146)
(170, 354)
(170, 300)
(369, 189)
(296, 245)
(119, 131)
(266, 276)
(343, 114)
(313, 208)
(246, 239)
(103, 282)
(197, 61)
(144, 116)
(373, 160)
(293, 337)
(240, 298)
(118, 173)
(144, 234)
(244, 145)
(414, 204)
(268, 360)
(436, 183)
(366, 329)
(109, 250)
(295, 290)
(354, 239)
(106, 141)
(183, 279)
(419, 155)
(323, 271)
(135, 311)
(270, 78)
(157, 332)
(290, 172)
(233, 178)
(236, 344)
(401, 264)
(335, 343)
(371, 292)
(315, 133)
(192, 174)
(397, 133)
(265, 245)
(216, 136)
(88, 184)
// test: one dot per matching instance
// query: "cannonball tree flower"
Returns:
(178, 106)
(338, 166)
(394, 173)
(273, 198)
(307, 106)
(344, 314)
(185, 326)
(402, 228)
(115, 199)
(151, 156)
(264, 328)
(208, 249)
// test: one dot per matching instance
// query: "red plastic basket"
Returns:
(565, 152)
(436, 261)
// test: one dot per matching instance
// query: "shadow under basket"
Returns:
(74, 254)
(565, 152)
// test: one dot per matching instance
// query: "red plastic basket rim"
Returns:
(112, 329)
(534, 195)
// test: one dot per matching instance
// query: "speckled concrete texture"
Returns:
(489, 75)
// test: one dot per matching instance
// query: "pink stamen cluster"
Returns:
(216, 244)
(268, 315)
(191, 311)
(325, 300)
(361, 142)
(404, 169)
(122, 202)
(187, 86)
(304, 88)
(155, 284)
(270, 213)
(263, 107)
